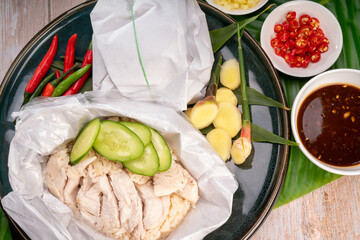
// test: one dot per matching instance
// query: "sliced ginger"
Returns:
(228, 118)
(226, 95)
(204, 112)
(230, 74)
(188, 112)
(240, 150)
(220, 140)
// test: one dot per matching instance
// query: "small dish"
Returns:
(237, 11)
(338, 76)
(328, 23)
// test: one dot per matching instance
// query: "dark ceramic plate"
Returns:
(260, 178)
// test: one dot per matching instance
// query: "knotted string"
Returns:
(137, 45)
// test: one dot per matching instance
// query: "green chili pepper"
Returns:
(66, 84)
(41, 86)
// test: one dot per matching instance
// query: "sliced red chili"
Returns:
(315, 57)
(318, 33)
(291, 16)
(274, 42)
(299, 58)
(305, 31)
(311, 49)
(301, 43)
(283, 36)
(306, 61)
(278, 49)
(285, 25)
(278, 28)
(304, 19)
(293, 62)
(315, 40)
(323, 48)
(293, 25)
(292, 43)
(294, 34)
(301, 50)
(314, 22)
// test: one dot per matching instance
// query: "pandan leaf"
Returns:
(256, 98)
(259, 134)
(220, 36)
(215, 74)
(59, 65)
(77, 59)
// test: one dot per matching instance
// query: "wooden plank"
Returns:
(331, 212)
(58, 7)
(19, 22)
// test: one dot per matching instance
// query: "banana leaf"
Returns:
(5, 233)
(303, 176)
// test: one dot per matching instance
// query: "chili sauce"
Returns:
(328, 123)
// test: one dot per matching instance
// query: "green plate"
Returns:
(260, 178)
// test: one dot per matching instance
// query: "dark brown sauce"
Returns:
(329, 124)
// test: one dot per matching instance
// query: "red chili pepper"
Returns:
(306, 62)
(75, 88)
(294, 34)
(314, 22)
(50, 87)
(275, 42)
(301, 43)
(315, 57)
(315, 40)
(285, 25)
(57, 74)
(290, 16)
(293, 25)
(48, 90)
(42, 68)
(323, 48)
(304, 19)
(70, 54)
(283, 36)
(278, 28)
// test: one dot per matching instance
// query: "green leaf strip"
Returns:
(257, 98)
(220, 36)
(215, 74)
(259, 134)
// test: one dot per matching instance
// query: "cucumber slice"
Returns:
(147, 164)
(139, 129)
(84, 141)
(117, 142)
(162, 150)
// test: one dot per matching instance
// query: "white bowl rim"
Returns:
(238, 11)
(296, 104)
(284, 67)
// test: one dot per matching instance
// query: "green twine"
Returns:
(137, 45)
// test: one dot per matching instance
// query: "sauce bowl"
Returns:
(338, 76)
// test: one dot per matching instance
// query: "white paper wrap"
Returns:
(174, 45)
(45, 125)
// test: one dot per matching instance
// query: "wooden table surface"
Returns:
(331, 212)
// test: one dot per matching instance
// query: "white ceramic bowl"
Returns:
(238, 11)
(338, 76)
(328, 23)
